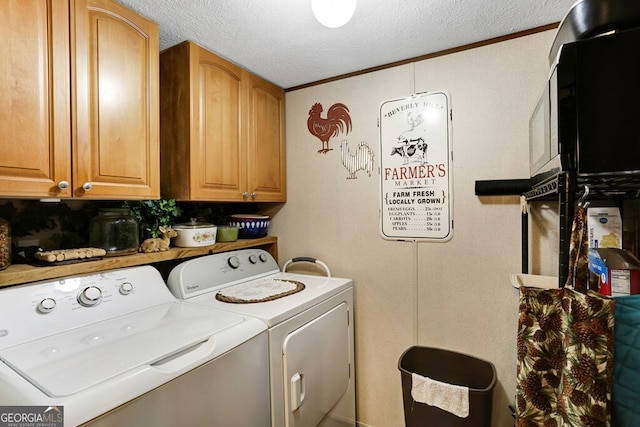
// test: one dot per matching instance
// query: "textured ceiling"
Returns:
(281, 40)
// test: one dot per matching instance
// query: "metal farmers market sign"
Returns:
(415, 168)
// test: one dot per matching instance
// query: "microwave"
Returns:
(587, 119)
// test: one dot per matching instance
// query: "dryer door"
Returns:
(316, 367)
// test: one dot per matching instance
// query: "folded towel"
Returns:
(448, 397)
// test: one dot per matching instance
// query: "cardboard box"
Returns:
(605, 228)
(614, 272)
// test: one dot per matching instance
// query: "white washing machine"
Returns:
(310, 321)
(116, 348)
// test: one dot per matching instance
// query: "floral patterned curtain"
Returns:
(565, 349)
(565, 358)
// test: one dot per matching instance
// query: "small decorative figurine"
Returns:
(159, 244)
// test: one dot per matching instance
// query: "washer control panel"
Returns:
(44, 308)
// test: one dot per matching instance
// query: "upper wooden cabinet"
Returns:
(222, 130)
(79, 109)
(115, 133)
(266, 171)
(35, 102)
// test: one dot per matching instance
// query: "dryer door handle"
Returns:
(297, 391)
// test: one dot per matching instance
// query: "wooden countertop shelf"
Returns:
(24, 273)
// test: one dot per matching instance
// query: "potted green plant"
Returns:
(152, 214)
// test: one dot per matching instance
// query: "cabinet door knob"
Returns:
(87, 186)
(63, 185)
(254, 195)
(245, 194)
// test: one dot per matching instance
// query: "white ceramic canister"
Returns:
(194, 234)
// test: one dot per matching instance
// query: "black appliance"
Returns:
(588, 117)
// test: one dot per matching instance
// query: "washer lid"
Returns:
(72, 361)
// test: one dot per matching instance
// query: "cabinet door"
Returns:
(115, 102)
(266, 144)
(217, 167)
(34, 98)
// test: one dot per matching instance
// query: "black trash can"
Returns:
(451, 368)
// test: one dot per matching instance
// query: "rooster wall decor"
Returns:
(337, 121)
(362, 159)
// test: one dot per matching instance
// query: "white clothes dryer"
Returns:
(310, 324)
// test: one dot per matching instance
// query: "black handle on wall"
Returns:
(510, 187)
(502, 187)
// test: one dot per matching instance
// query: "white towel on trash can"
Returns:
(448, 397)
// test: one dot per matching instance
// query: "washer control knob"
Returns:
(263, 257)
(90, 296)
(46, 305)
(126, 288)
(233, 262)
(253, 259)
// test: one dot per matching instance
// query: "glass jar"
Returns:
(115, 231)
(5, 244)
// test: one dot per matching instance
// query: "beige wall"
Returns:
(464, 299)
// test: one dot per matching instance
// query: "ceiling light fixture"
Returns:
(333, 13)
